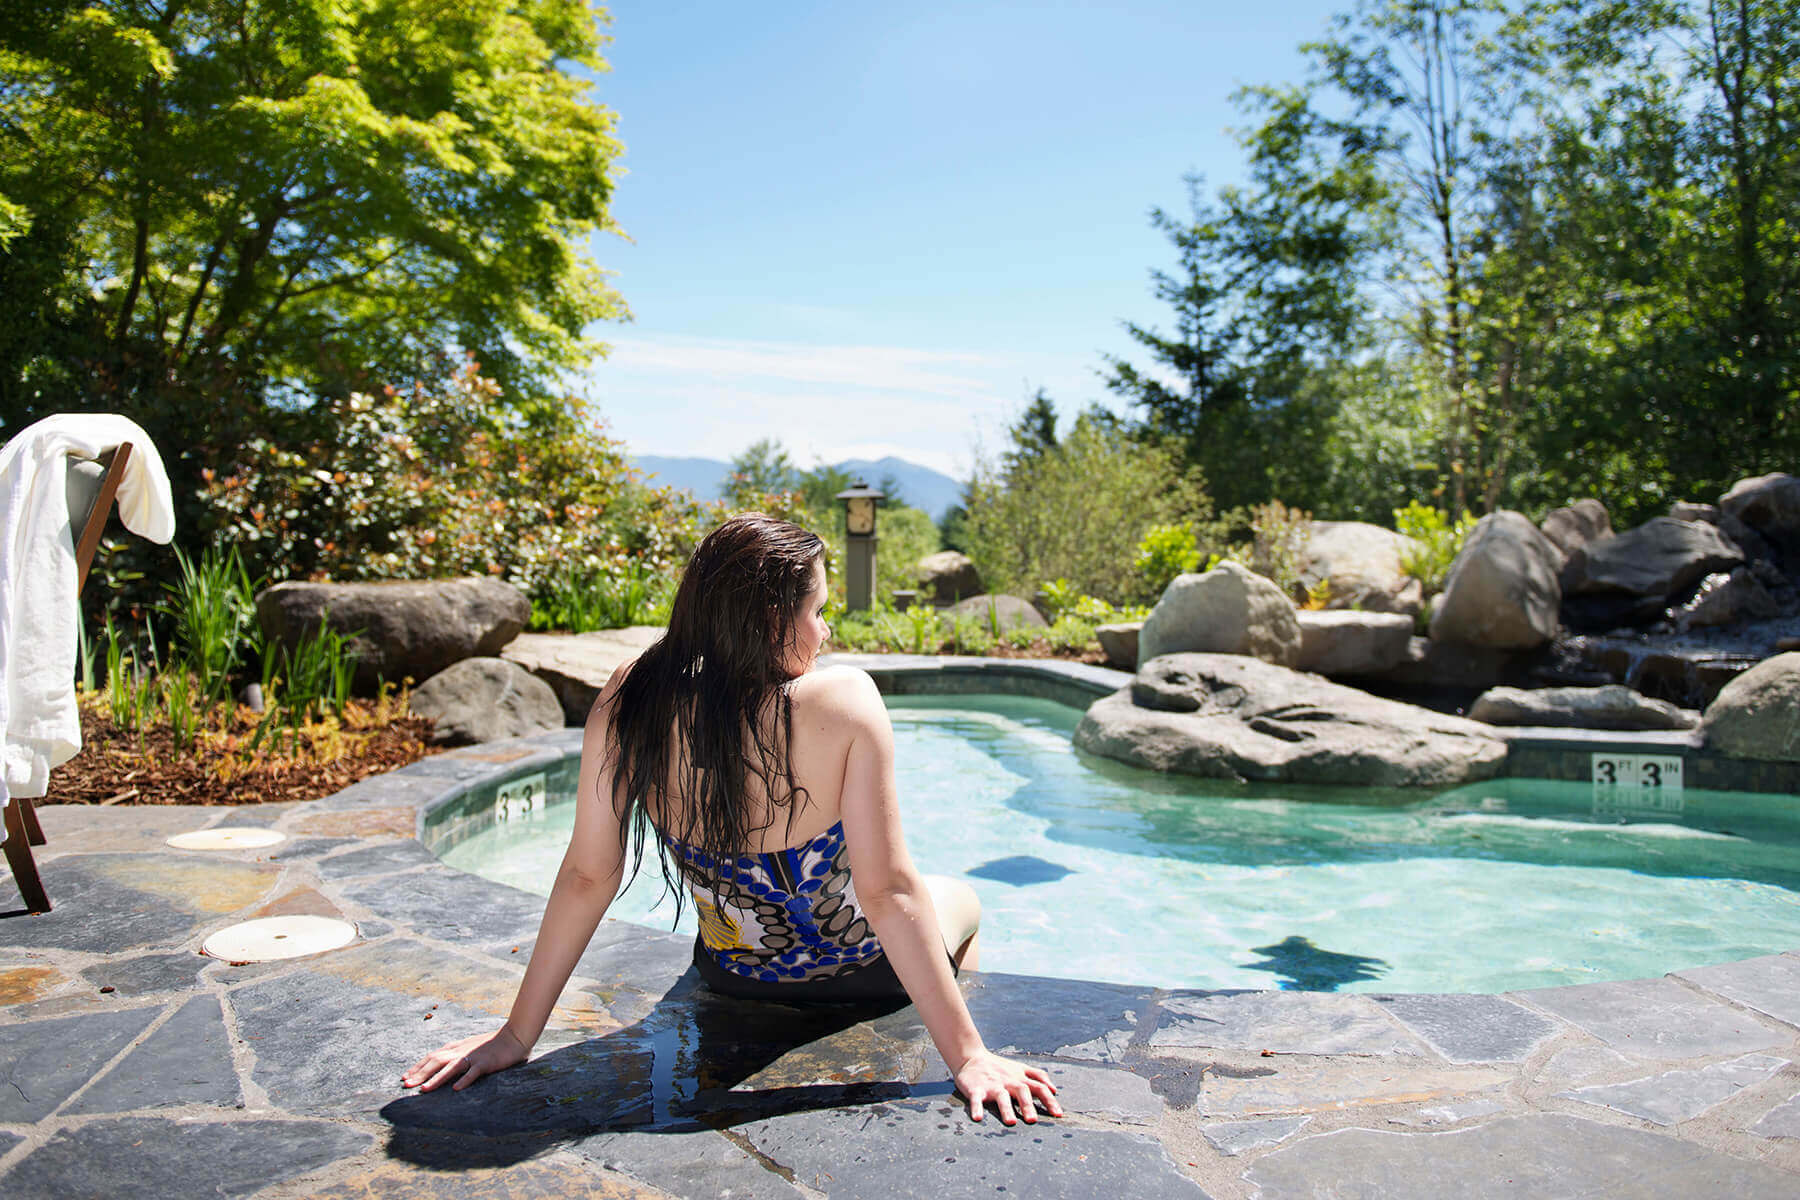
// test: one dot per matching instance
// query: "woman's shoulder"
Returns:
(840, 690)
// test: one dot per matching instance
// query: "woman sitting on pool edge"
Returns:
(770, 787)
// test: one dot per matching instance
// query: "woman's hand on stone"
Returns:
(1009, 1085)
(466, 1061)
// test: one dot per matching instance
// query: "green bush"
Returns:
(1079, 510)
(438, 482)
(1165, 552)
(1438, 540)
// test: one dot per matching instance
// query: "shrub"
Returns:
(1061, 598)
(1078, 511)
(436, 482)
(1279, 535)
(1438, 541)
(1165, 552)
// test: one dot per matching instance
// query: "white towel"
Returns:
(40, 726)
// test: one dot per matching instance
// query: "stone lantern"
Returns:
(859, 554)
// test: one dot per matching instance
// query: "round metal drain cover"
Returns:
(226, 837)
(272, 938)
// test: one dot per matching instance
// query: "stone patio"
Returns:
(133, 1065)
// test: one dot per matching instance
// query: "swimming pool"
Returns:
(1090, 869)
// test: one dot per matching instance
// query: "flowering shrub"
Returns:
(439, 482)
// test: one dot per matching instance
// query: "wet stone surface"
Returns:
(928, 1149)
(186, 1061)
(1542, 1155)
(1655, 1018)
(46, 1062)
(145, 1156)
(590, 1087)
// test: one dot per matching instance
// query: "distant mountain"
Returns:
(700, 476)
(920, 487)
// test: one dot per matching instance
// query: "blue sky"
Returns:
(877, 229)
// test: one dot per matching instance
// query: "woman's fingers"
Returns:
(1027, 1110)
(1047, 1093)
(1003, 1102)
(444, 1074)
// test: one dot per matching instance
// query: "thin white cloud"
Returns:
(712, 397)
(877, 368)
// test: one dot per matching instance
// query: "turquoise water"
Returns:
(1089, 869)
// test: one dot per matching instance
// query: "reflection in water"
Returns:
(1303, 967)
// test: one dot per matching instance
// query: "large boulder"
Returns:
(1360, 563)
(1726, 598)
(1610, 707)
(1119, 642)
(1656, 561)
(485, 700)
(1228, 610)
(948, 576)
(1578, 525)
(1757, 715)
(1230, 717)
(402, 629)
(577, 665)
(1770, 505)
(1502, 590)
(1352, 643)
(1011, 612)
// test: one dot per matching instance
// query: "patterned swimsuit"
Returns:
(782, 917)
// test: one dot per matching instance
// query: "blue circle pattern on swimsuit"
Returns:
(782, 915)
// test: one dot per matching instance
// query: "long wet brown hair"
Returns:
(693, 718)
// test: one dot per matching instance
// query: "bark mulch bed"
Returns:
(116, 766)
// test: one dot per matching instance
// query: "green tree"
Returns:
(1033, 434)
(1267, 304)
(762, 468)
(214, 209)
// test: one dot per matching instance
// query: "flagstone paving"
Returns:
(132, 1065)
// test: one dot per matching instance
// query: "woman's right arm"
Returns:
(897, 901)
(585, 885)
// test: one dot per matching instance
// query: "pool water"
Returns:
(1090, 869)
